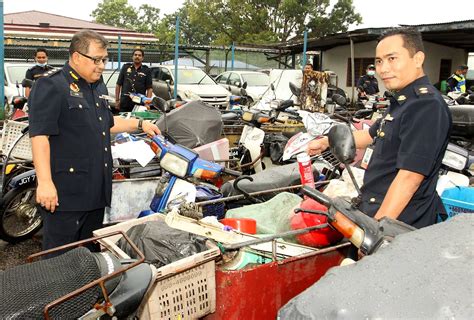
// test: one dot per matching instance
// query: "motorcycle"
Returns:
(78, 284)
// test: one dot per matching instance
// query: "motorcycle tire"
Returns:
(19, 215)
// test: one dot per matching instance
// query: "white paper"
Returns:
(136, 150)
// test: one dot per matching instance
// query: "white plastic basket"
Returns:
(185, 289)
(11, 132)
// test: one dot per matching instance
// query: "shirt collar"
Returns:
(410, 90)
(73, 76)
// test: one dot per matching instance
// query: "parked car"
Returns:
(257, 83)
(193, 84)
(110, 78)
(14, 75)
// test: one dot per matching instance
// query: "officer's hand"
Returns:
(150, 129)
(47, 196)
(317, 146)
(117, 104)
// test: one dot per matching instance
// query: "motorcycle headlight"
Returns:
(454, 160)
(174, 164)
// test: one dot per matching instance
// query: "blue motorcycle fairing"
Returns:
(28, 177)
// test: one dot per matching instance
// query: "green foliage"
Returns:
(221, 22)
(119, 13)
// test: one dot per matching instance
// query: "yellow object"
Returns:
(9, 168)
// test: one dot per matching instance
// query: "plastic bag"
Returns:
(162, 244)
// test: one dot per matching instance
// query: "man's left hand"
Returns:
(150, 129)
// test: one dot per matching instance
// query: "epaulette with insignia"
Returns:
(51, 72)
(423, 90)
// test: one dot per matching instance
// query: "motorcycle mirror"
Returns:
(27, 83)
(243, 92)
(342, 144)
(161, 104)
(338, 99)
(244, 85)
(272, 87)
(294, 89)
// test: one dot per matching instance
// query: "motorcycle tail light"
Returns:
(205, 174)
(348, 228)
(263, 119)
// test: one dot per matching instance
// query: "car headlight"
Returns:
(174, 164)
(454, 160)
(191, 95)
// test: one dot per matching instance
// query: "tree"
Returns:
(119, 13)
(268, 21)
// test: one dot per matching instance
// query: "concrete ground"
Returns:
(15, 254)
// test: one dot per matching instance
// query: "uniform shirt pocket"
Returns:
(78, 111)
(71, 175)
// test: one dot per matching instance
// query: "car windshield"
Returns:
(17, 73)
(256, 79)
(193, 76)
(110, 78)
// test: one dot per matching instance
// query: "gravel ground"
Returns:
(15, 254)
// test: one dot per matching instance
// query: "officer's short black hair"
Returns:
(41, 50)
(412, 40)
(138, 49)
(81, 40)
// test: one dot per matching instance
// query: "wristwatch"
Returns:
(140, 124)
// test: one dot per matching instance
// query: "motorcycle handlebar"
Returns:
(231, 172)
(316, 195)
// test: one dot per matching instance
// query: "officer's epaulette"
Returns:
(51, 72)
(423, 90)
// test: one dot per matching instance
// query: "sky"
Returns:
(375, 13)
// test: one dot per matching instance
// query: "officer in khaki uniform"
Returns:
(70, 126)
(404, 149)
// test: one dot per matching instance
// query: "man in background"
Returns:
(457, 81)
(38, 70)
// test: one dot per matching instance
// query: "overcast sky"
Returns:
(375, 13)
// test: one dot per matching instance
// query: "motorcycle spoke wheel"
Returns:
(21, 215)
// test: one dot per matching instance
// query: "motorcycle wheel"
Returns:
(20, 218)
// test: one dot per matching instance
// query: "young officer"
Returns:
(70, 126)
(407, 144)
(39, 69)
(368, 84)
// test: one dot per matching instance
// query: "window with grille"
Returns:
(445, 69)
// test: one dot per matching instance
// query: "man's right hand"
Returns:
(317, 146)
(47, 196)
(117, 104)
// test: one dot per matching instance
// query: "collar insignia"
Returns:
(74, 87)
(129, 70)
(73, 75)
(401, 98)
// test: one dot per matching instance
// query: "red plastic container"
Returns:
(246, 225)
(317, 238)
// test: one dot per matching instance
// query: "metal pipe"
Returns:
(258, 193)
(352, 69)
(305, 42)
(233, 57)
(119, 52)
(176, 56)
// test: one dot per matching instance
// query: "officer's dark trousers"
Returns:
(63, 227)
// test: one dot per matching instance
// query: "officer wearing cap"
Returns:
(39, 69)
(404, 148)
(70, 124)
(134, 77)
(367, 84)
(457, 81)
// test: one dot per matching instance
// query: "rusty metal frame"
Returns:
(107, 305)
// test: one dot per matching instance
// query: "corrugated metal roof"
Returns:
(34, 18)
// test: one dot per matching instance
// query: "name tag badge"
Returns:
(367, 156)
(76, 94)
(388, 117)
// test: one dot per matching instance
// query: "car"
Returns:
(257, 83)
(193, 84)
(110, 78)
(14, 75)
